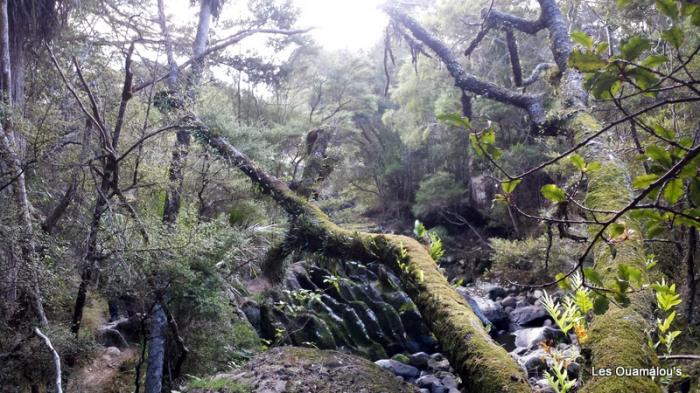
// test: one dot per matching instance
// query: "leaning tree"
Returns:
(617, 335)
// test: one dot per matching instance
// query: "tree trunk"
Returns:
(483, 365)
(10, 147)
(617, 338)
(173, 196)
(156, 350)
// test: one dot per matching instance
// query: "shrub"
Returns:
(436, 193)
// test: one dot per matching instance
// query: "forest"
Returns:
(490, 196)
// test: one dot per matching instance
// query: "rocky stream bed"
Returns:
(361, 309)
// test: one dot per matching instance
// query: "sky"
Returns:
(343, 24)
(338, 24)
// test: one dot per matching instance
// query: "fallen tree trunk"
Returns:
(483, 365)
(617, 338)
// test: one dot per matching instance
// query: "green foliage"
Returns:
(436, 193)
(566, 315)
(582, 39)
(436, 251)
(553, 193)
(666, 300)
(245, 213)
(218, 385)
(559, 380)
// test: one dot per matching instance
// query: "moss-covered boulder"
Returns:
(300, 370)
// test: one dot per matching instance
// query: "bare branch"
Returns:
(56, 359)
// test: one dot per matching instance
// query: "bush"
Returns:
(518, 258)
(436, 193)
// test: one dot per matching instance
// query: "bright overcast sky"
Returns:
(340, 24)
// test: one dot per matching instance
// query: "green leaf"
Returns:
(659, 155)
(562, 282)
(674, 36)
(694, 191)
(583, 39)
(578, 161)
(553, 193)
(586, 62)
(668, 8)
(454, 119)
(695, 17)
(600, 305)
(643, 181)
(593, 166)
(654, 61)
(592, 276)
(644, 79)
(603, 84)
(509, 186)
(673, 191)
(616, 229)
(583, 302)
(633, 47)
(623, 3)
(663, 131)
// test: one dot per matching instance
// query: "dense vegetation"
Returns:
(160, 179)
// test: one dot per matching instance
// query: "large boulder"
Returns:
(301, 370)
(534, 315)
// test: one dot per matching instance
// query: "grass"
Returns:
(219, 385)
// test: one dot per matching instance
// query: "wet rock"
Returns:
(439, 365)
(371, 322)
(530, 337)
(402, 370)
(509, 301)
(573, 369)
(309, 329)
(110, 337)
(491, 310)
(251, 309)
(535, 362)
(419, 359)
(449, 380)
(428, 381)
(528, 316)
(496, 291)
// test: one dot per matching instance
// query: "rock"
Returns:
(448, 379)
(439, 365)
(528, 316)
(537, 294)
(521, 303)
(402, 370)
(308, 328)
(110, 337)
(491, 310)
(438, 389)
(293, 369)
(496, 291)
(437, 356)
(509, 301)
(399, 357)
(573, 369)
(543, 386)
(428, 381)
(419, 359)
(112, 352)
(535, 362)
(251, 309)
(424, 391)
(530, 337)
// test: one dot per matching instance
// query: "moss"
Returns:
(220, 385)
(400, 357)
(616, 340)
